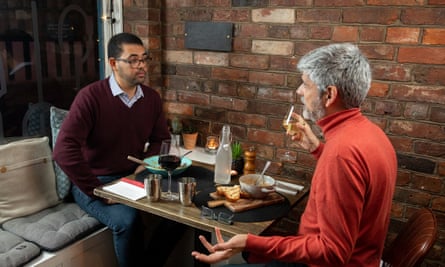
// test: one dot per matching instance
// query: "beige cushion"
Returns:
(27, 179)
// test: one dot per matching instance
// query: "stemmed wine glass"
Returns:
(290, 125)
(169, 159)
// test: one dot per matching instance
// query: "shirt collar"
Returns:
(116, 89)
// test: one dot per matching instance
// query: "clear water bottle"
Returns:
(223, 161)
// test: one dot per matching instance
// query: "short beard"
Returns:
(318, 112)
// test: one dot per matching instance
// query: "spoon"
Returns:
(261, 180)
(138, 160)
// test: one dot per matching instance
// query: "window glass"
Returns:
(49, 51)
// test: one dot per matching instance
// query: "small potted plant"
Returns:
(237, 157)
(189, 135)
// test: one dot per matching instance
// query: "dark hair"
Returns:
(116, 42)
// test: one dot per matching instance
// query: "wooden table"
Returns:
(191, 215)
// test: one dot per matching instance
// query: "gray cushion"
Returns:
(54, 228)
(14, 251)
(63, 183)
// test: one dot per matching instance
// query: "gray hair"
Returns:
(341, 65)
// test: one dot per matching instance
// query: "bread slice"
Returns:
(232, 193)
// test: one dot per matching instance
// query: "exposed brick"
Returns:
(339, 3)
(441, 168)
(321, 32)
(266, 78)
(371, 15)
(211, 58)
(319, 15)
(388, 108)
(429, 75)
(281, 32)
(275, 94)
(403, 178)
(212, 114)
(437, 114)
(434, 37)
(430, 149)
(284, 48)
(391, 72)
(418, 129)
(179, 3)
(438, 203)
(249, 61)
(195, 14)
(412, 197)
(345, 34)
(227, 89)
(401, 35)
(396, 2)
(228, 103)
(229, 74)
(273, 15)
(247, 91)
(378, 51)
(427, 94)
(426, 183)
(179, 108)
(178, 56)
(423, 16)
(232, 15)
(415, 163)
(372, 34)
(426, 55)
(194, 98)
(193, 71)
(417, 111)
(252, 30)
(265, 137)
(173, 43)
(401, 143)
(176, 82)
(299, 32)
(242, 44)
(293, 81)
(378, 89)
(213, 3)
(247, 119)
(291, 3)
(283, 63)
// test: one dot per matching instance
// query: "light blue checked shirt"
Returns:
(117, 91)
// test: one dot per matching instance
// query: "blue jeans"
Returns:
(124, 222)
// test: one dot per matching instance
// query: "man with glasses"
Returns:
(347, 214)
(107, 121)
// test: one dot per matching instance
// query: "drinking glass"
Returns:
(169, 159)
(290, 125)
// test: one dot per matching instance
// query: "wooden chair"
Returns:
(413, 241)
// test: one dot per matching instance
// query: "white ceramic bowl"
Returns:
(248, 184)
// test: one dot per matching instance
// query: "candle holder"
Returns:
(212, 144)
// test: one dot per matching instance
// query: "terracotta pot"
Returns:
(189, 140)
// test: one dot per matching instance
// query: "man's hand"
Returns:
(306, 139)
(222, 250)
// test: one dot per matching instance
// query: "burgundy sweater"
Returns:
(347, 215)
(100, 131)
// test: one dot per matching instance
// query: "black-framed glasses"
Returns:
(134, 62)
(221, 217)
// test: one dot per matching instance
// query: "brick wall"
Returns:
(251, 87)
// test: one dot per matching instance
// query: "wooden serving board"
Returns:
(244, 204)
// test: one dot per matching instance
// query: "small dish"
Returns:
(154, 167)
